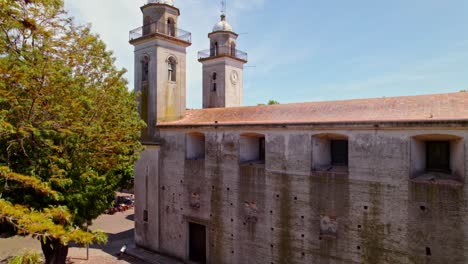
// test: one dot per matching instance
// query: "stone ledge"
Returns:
(431, 178)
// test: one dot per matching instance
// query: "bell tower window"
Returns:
(146, 25)
(233, 49)
(144, 69)
(171, 69)
(144, 88)
(171, 27)
(213, 81)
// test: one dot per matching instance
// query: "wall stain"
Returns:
(373, 233)
(285, 250)
(217, 225)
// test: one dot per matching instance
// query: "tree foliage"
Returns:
(273, 102)
(69, 127)
(28, 257)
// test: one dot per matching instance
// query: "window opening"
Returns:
(144, 70)
(233, 49)
(252, 148)
(145, 215)
(261, 149)
(339, 152)
(195, 146)
(146, 25)
(171, 27)
(438, 156)
(171, 70)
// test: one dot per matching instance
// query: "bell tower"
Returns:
(222, 67)
(160, 65)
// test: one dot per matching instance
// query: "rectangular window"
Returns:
(438, 156)
(261, 149)
(145, 216)
(252, 148)
(339, 152)
(195, 146)
(144, 102)
(145, 71)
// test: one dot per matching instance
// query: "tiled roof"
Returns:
(421, 108)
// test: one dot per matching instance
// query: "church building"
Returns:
(355, 181)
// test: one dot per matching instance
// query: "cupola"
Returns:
(165, 2)
(222, 25)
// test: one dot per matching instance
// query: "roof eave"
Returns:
(370, 124)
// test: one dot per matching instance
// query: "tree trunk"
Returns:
(54, 251)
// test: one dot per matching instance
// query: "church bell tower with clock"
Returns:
(222, 68)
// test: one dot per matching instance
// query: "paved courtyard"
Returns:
(119, 228)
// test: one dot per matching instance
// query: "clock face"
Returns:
(234, 77)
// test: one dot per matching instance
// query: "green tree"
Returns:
(273, 102)
(69, 127)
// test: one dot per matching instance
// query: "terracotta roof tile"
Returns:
(434, 107)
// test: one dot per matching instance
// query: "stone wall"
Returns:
(283, 211)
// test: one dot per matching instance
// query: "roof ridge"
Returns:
(326, 101)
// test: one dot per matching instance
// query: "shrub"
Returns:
(28, 257)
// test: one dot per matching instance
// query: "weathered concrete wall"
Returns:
(146, 198)
(283, 212)
(171, 101)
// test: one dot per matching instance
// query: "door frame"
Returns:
(206, 224)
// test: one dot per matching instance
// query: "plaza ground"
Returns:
(119, 228)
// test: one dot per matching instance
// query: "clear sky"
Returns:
(312, 50)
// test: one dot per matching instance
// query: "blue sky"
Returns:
(303, 51)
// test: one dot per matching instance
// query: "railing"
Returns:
(220, 51)
(168, 30)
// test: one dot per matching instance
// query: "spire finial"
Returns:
(223, 9)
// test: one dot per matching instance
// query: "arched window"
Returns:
(171, 69)
(146, 25)
(233, 49)
(144, 89)
(214, 49)
(144, 69)
(213, 81)
(171, 27)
